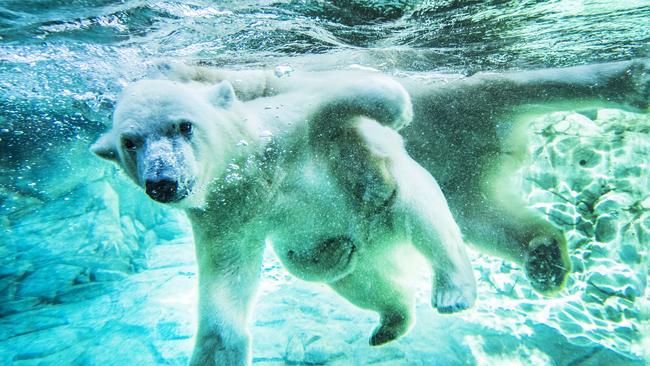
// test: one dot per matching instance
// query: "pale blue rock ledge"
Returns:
(149, 319)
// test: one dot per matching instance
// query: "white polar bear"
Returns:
(466, 133)
(320, 172)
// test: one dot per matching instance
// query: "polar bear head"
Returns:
(170, 137)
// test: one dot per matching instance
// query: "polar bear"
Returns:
(467, 133)
(319, 172)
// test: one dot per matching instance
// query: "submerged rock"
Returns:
(36, 345)
(612, 202)
(48, 281)
(606, 228)
(103, 275)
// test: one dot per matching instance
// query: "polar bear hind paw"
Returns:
(547, 265)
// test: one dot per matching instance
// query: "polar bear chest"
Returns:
(310, 206)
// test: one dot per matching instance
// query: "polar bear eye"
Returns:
(185, 127)
(128, 144)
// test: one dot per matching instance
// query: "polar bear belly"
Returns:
(313, 227)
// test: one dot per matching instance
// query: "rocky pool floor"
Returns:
(149, 319)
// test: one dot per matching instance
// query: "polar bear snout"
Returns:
(165, 172)
(167, 190)
(163, 190)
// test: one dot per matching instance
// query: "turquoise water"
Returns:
(94, 272)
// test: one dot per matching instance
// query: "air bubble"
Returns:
(283, 70)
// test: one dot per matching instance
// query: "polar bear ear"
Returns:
(222, 95)
(105, 147)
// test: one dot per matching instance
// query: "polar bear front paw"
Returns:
(452, 294)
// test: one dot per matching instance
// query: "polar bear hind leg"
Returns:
(508, 228)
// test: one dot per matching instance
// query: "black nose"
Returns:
(163, 190)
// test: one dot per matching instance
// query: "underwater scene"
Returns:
(338, 182)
